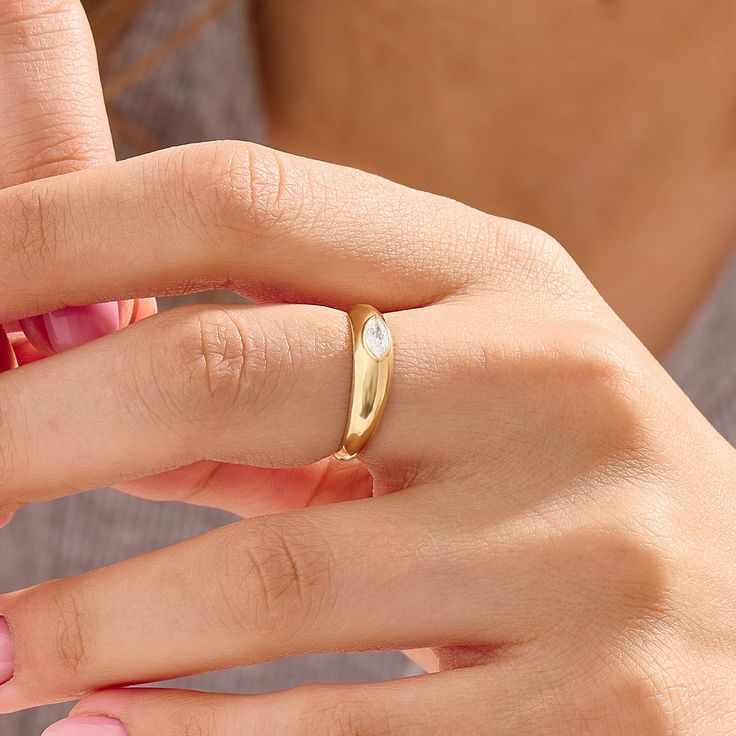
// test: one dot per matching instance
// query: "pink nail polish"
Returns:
(86, 726)
(72, 326)
(6, 652)
(8, 359)
(126, 307)
(5, 519)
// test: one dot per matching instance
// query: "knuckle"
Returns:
(53, 646)
(591, 381)
(195, 366)
(519, 254)
(633, 572)
(605, 376)
(73, 626)
(219, 361)
(203, 722)
(236, 186)
(566, 383)
(345, 715)
(276, 577)
(599, 360)
(625, 702)
(68, 145)
(28, 228)
(198, 367)
(606, 573)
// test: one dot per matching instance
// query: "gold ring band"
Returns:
(373, 365)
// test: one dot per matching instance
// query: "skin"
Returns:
(53, 122)
(542, 511)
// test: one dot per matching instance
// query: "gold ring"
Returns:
(373, 365)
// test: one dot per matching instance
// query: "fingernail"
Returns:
(25, 352)
(72, 326)
(86, 726)
(6, 652)
(125, 311)
(143, 308)
(8, 358)
(5, 519)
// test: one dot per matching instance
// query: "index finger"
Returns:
(270, 225)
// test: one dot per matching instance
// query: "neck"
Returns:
(592, 125)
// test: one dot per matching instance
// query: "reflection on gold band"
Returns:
(373, 362)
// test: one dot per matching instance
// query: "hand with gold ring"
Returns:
(373, 367)
(540, 505)
(541, 516)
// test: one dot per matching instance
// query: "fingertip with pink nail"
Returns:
(86, 726)
(69, 327)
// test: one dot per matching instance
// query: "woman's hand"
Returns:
(560, 531)
(552, 516)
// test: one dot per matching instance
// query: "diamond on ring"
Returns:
(376, 337)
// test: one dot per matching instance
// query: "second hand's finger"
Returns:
(53, 113)
(28, 352)
(251, 491)
(24, 351)
(71, 326)
(53, 121)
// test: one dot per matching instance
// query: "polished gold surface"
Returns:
(371, 384)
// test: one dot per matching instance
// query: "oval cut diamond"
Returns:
(376, 337)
